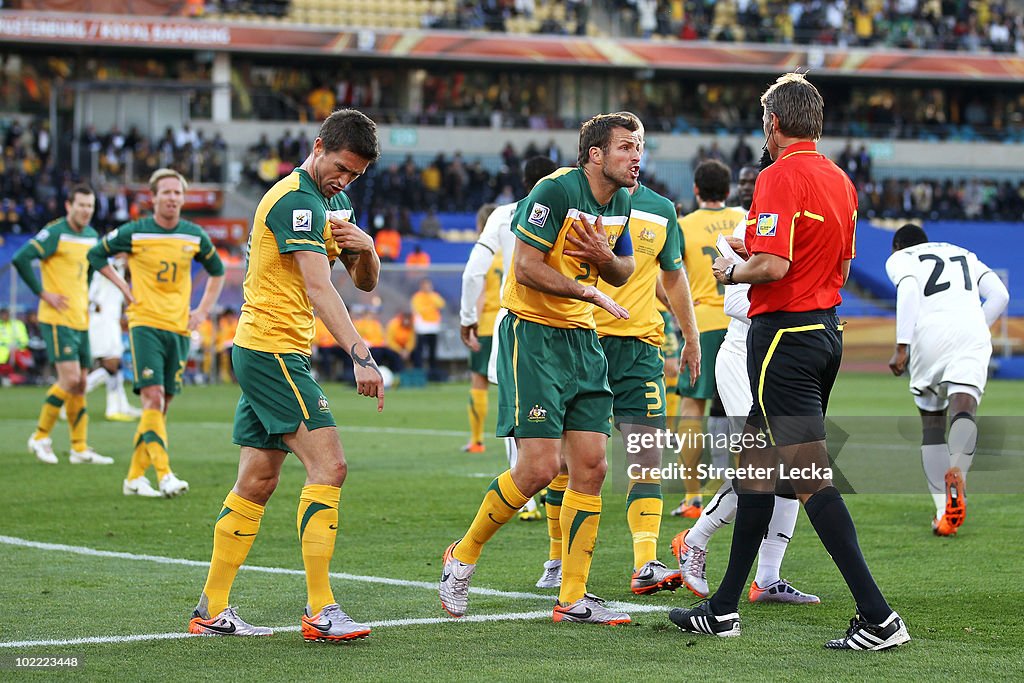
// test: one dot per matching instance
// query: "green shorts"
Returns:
(66, 344)
(670, 347)
(710, 342)
(551, 380)
(478, 360)
(636, 375)
(278, 394)
(158, 358)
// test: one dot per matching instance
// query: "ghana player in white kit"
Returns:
(946, 301)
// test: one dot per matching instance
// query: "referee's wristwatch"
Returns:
(728, 274)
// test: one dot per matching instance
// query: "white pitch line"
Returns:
(404, 583)
(177, 635)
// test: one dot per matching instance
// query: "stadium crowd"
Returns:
(34, 189)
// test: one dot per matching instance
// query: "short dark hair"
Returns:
(712, 180)
(80, 188)
(350, 130)
(536, 168)
(908, 236)
(597, 132)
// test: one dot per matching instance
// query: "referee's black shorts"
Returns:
(792, 362)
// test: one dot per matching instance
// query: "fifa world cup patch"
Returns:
(302, 220)
(538, 214)
(537, 414)
(766, 224)
(322, 404)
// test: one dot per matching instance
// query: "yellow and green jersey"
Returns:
(160, 262)
(492, 297)
(654, 230)
(277, 316)
(542, 221)
(63, 262)
(700, 231)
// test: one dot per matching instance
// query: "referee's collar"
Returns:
(802, 147)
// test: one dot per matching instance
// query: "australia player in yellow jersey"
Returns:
(700, 231)
(61, 249)
(633, 347)
(553, 392)
(161, 249)
(302, 225)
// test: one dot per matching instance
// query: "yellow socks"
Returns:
(477, 414)
(55, 399)
(643, 512)
(236, 529)
(502, 501)
(150, 446)
(317, 522)
(140, 457)
(78, 421)
(581, 515)
(553, 510)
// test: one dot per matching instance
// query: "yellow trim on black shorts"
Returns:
(764, 368)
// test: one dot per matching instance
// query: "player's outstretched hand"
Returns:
(589, 244)
(369, 381)
(689, 358)
(58, 301)
(349, 236)
(469, 337)
(898, 362)
(599, 298)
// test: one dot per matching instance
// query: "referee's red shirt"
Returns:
(804, 210)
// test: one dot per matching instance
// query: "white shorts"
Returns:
(105, 338)
(950, 356)
(733, 382)
(492, 362)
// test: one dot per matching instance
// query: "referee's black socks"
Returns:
(753, 514)
(831, 520)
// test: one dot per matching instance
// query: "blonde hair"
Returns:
(161, 173)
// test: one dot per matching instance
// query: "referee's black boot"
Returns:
(701, 619)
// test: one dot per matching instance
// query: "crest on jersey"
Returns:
(537, 414)
(538, 214)
(302, 220)
(766, 224)
(647, 235)
(322, 404)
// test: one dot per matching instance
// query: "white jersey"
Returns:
(737, 304)
(947, 280)
(496, 237)
(940, 314)
(106, 305)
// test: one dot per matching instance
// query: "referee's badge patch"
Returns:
(302, 220)
(538, 214)
(766, 224)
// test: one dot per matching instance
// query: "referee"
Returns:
(800, 240)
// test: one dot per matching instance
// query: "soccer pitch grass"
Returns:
(409, 493)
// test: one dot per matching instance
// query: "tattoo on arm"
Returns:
(364, 361)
